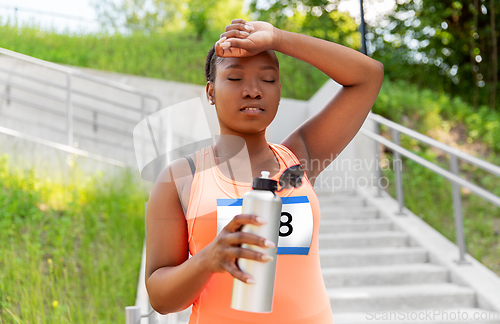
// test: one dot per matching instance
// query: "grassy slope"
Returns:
(69, 253)
(175, 57)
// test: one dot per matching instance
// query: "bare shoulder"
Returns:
(165, 219)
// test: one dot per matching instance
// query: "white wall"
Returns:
(356, 164)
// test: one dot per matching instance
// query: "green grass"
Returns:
(70, 252)
(425, 110)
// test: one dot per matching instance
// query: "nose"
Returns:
(252, 89)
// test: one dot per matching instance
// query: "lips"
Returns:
(252, 107)
(252, 111)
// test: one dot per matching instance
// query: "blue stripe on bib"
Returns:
(285, 200)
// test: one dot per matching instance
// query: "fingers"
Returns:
(235, 33)
(242, 253)
(238, 21)
(243, 26)
(231, 38)
(248, 238)
(242, 219)
(231, 43)
(238, 274)
(238, 253)
(232, 244)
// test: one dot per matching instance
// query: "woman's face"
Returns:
(246, 82)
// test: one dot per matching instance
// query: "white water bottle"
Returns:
(265, 203)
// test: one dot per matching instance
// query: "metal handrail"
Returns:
(70, 93)
(452, 175)
(51, 97)
(485, 165)
(28, 89)
(33, 78)
(76, 118)
(61, 147)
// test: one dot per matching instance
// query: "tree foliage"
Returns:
(143, 15)
(446, 45)
(442, 44)
(317, 18)
(192, 16)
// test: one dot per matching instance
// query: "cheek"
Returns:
(275, 93)
(225, 90)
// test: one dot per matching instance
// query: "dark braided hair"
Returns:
(210, 64)
(213, 60)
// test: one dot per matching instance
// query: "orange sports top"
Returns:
(299, 295)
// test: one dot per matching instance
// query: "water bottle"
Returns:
(265, 203)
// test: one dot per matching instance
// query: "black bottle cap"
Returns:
(264, 183)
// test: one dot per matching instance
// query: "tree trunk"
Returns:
(494, 55)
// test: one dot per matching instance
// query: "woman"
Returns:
(243, 84)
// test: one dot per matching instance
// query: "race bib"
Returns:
(296, 223)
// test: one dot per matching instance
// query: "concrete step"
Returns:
(371, 257)
(402, 297)
(363, 240)
(400, 274)
(349, 200)
(348, 212)
(428, 316)
(335, 192)
(354, 225)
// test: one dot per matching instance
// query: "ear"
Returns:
(210, 91)
(280, 91)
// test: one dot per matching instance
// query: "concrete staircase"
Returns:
(375, 273)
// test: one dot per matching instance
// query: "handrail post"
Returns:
(398, 166)
(169, 135)
(94, 117)
(69, 111)
(7, 92)
(143, 136)
(132, 315)
(378, 171)
(457, 211)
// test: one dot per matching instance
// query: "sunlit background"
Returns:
(65, 240)
(80, 16)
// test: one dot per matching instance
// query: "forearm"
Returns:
(172, 289)
(344, 65)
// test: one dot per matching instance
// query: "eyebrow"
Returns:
(241, 67)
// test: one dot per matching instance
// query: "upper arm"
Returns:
(166, 231)
(320, 139)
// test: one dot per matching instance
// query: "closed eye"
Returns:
(234, 79)
(269, 81)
